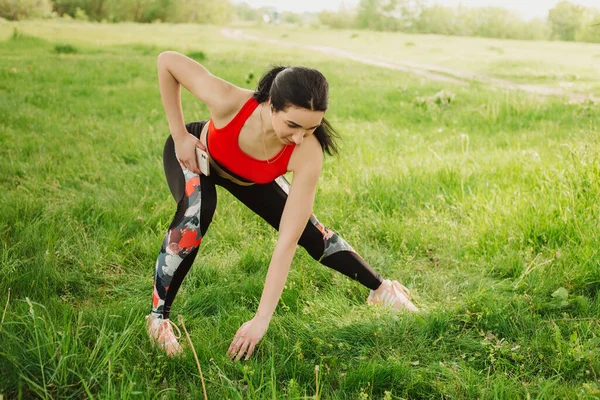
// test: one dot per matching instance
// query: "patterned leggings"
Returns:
(196, 199)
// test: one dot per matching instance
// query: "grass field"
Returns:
(485, 207)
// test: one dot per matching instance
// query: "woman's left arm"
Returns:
(296, 214)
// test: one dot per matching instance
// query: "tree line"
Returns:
(195, 11)
(566, 21)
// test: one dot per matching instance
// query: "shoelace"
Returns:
(168, 329)
(390, 296)
(403, 289)
(170, 324)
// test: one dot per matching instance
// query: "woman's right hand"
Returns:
(185, 151)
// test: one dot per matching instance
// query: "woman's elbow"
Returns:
(163, 57)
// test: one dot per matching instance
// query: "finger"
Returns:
(233, 345)
(250, 351)
(194, 167)
(236, 347)
(242, 350)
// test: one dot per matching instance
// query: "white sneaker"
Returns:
(392, 294)
(161, 334)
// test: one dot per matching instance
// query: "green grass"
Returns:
(486, 208)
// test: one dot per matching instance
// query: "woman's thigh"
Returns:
(178, 184)
(268, 201)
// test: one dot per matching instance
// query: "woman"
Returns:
(253, 139)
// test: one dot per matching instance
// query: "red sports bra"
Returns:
(224, 149)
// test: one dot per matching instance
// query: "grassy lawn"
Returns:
(485, 207)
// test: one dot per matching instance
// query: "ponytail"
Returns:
(300, 87)
(327, 136)
(263, 90)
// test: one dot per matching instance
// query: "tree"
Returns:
(442, 20)
(204, 11)
(565, 19)
(589, 30)
(246, 13)
(389, 15)
(337, 20)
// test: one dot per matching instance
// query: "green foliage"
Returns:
(496, 22)
(65, 49)
(203, 11)
(82, 9)
(199, 11)
(589, 30)
(443, 98)
(573, 22)
(197, 55)
(388, 15)
(291, 18)
(337, 20)
(80, 15)
(25, 9)
(249, 77)
(245, 12)
(565, 19)
(493, 22)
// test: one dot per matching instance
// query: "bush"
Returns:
(81, 15)
(65, 49)
(23, 9)
(197, 55)
(337, 20)
(442, 99)
(589, 31)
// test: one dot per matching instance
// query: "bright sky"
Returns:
(527, 8)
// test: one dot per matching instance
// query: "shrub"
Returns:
(65, 49)
(197, 55)
(23, 9)
(81, 15)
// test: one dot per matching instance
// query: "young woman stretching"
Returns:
(253, 139)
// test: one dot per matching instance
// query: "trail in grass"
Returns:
(429, 71)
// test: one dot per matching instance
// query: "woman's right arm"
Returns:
(176, 70)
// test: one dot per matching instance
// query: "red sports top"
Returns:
(224, 149)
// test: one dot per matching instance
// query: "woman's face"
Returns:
(294, 124)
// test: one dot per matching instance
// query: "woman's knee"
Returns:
(320, 241)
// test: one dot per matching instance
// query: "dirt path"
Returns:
(429, 71)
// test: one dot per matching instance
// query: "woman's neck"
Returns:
(270, 137)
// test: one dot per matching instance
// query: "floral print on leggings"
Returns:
(179, 241)
(332, 241)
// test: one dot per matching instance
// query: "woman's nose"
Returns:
(298, 137)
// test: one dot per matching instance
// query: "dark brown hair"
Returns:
(300, 87)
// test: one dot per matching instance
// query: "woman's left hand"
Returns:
(247, 337)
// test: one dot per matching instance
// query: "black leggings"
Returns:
(196, 199)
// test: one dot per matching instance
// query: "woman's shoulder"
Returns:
(307, 156)
(231, 105)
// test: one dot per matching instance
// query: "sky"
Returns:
(526, 8)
